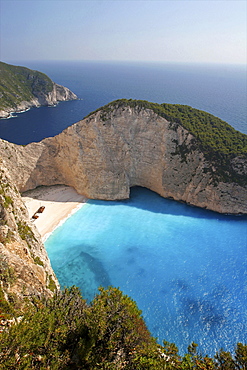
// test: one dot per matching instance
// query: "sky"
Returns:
(182, 31)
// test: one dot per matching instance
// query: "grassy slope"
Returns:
(19, 84)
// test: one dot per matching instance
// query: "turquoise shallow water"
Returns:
(185, 267)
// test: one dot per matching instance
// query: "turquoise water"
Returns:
(185, 267)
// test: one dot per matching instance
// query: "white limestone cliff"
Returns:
(59, 93)
(24, 264)
(103, 157)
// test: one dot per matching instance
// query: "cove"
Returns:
(185, 267)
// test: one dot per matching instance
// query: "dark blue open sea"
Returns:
(185, 267)
(217, 89)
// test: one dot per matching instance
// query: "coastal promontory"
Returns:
(177, 151)
(22, 88)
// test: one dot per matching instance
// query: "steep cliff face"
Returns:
(112, 150)
(22, 88)
(25, 269)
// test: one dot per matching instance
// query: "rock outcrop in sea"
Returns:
(129, 144)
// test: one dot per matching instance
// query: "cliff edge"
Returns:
(176, 151)
(25, 269)
(22, 88)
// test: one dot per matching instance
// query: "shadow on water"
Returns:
(81, 267)
(150, 201)
(94, 264)
(207, 312)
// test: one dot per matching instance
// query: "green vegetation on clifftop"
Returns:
(217, 140)
(18, 84)
(214, 134)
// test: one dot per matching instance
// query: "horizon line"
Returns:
(124, 61)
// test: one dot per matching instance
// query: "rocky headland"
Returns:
(22, 88)
(124, 144)
(135, 143)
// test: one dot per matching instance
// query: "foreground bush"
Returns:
(67, 333)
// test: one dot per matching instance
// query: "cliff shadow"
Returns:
(55, 193)
(148, 200)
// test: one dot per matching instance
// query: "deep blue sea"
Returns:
(217, 89)
(185, 267)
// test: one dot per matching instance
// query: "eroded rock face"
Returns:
(58, 93)
(24, 264)
(103, 156)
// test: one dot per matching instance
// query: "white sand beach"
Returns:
(60, 202)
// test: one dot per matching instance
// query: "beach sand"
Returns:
(60, 202)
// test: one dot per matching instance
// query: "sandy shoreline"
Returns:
(60, 202)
